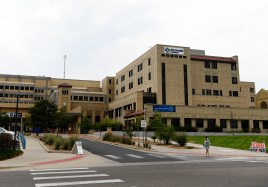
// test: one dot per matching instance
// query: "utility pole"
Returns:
(64, 57)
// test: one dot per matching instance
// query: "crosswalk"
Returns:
(136, 156)
(70, 177)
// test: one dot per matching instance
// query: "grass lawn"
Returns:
(235, 142)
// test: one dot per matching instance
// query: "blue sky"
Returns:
(101, 37)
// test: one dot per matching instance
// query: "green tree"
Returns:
(62, 119)
(44, 114)
(108, 122)
(162, 131)
(5, 120)
(85, 124)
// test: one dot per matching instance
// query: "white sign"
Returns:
(77, 149)
(174, 50)
(143, 123)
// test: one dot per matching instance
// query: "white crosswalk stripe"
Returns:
(58, 177)
(134, 156)
(234, 159)
(158, 156)
(113, 156)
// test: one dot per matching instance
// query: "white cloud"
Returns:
(101, 37)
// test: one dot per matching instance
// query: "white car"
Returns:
(2, 130)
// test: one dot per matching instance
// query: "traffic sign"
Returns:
(143, 123)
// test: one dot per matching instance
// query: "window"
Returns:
(207, 78)
(80, 98)
(1, 87)
(110, 81)
(149, 76)
(90, 98)
(85, 98)
(216, 92)
(223, 123)
(208, 92)
(7, 87)
(214, 65)
(110, 99)
(27, 88)
(140, 81)
(21, 87)
(149, 90)
(12, 87)
(233, 67)
(122, 78)
(101, 99)
(130, 73)
(64, 92)
(96, 99)
(123, 89)
(252, 99)
(203, 92)
(116, 92)
(207, 64)
(31, 88)
(75, 98)
(139, 67)
(116, 81)
(252, 90)
(17, 87)
(193, 91)
(149, 61)
(233, 93)
(110, 91)
(234, 80)
(215, 79)
(130, 85)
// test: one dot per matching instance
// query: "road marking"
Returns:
(113, 157)
(70, 176)
(135, 156)
(233, 158)
(60, 169)
(158, 156)
(78, 183)
(62, 172)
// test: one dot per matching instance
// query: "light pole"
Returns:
(16, 121)
(146, 124)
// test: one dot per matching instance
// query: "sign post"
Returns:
(143, 125)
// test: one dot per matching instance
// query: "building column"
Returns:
(218, 122)
(239, 125)
(78, 128)
(228, 124)
(193, 122)
(250, 125)
(168, 121)
(261, 125)
(182, 122)
(93, 117)
(101, 115)
(205, 121)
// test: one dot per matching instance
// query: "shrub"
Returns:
(9, 154)
(72, 140)
(50, 140)
(107, 136)
(154, 137)
(181, 139)
(58, 143)
(126, 140)
(214, 129)
(6, 142)
(66, 144)
(189, 128)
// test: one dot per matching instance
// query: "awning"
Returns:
(133, 114)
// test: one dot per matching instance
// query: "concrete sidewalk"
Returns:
(35, 156)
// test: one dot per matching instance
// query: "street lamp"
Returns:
(16, 120)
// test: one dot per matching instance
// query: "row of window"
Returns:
(87, 98)
(215, 79)
(27, 88)
(173, 56)
(130, 73)
(216, 92)
(214, 65)
(26, 96)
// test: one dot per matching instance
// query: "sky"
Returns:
(100, 38)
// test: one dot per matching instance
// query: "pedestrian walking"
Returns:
(206, 145)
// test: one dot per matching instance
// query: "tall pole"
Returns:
(16, 121)
(64, 65)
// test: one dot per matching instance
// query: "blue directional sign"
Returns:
(164, 108)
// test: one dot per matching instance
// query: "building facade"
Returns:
(188, 87)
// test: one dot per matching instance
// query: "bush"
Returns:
(181, 139)
(58, 143)
(9, 154)
(189, 129)
(6, 142)
(126, 140)
(50, 139)
(66, 144)
(213, 129)
(107, 136)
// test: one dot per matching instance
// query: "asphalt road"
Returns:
(124, 155)
(207, 174)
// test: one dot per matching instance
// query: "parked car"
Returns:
(3, 130)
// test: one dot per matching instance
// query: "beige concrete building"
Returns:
(187, 86)
(81, 97)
